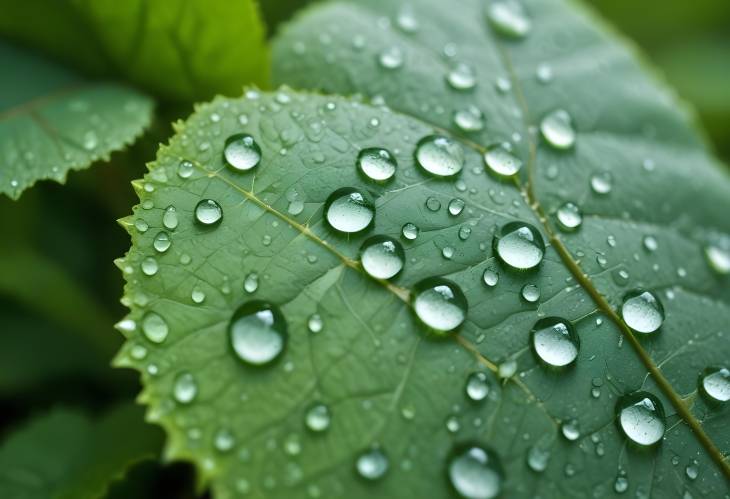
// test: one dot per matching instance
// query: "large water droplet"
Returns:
(557, 129)
(241, 152)
(519, 245)
(555, 341)
(372, 464)
(715, 384)
(185, 388)
(642, 311)
(382, 257)
(348, 210)
(318, 417)
(208, 212)
(475, 472)
(149, 266)
(440, 156)
(439, 304)
(641, 418)
(477, 386)
(185, 169)
(410, 231)
(377, 164)
(456, 206)
(569, 216)
(502, 162)
(462, 77)
(508, 18)
(258, 332)
(154, 327)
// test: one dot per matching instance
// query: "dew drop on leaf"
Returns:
(185, 388)
(433, 204)
(315, 323)
(650, 243)
(241, 152)
(391, 58)
(641, 418)
(439, 304)
(439, 156)
(197, 295)
(257, 333)
(508, 18)
(715, 384)
(475, 472)
(461, 77)
(470, 119)
(570, 217)
(537, 458)
(570, 429)
(718, 258)
(410, 231)
(382, 257)
(477, 386)
(557, 129)
(372, 464)
(169, 218)
(519, 245)
(224, 440)
(251, 283)
(154, 327)
(501, 162)
(490, 277)
(208, 212)
(530, 293)
(456, 206)
(642, 311)
(185, 169)
(447, 252)
(555, 341)
(161, 242)
(149, 266)
(601, 183)
(377, 164)
(318, 417)
(348, 210)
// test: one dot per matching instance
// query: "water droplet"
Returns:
(507, 369)
(570, 429)
(391, 58)
(251, 283)
(440, 156)
(161, 242)
(530, 293)
(537, 458)
(692, 470)
(464, 232)
(169, 218)
(475, 472)
(557, 129)
(715, 383)
(224, 440)
(154, 327)
(410, 231)
(257, 332)
(456, 206)
(406, 20)
(452, 424)
(141, 226)
(372, 464)
(315, 323)
(197, 295)
(650, 243)
(377, 164)
(470, 119)
(295, 207)
(621, 484)
(185, 388)
(447, 252)
(318, 417)
(382, 257)
(555, 341)
(439, 304)
(641, 418)
(241, 152)
(348, 210)
(569, 217)
(544, 73)
(519, 245)
(502, 162)
(461, 77)
(490, 277)
(477, 386)
(642, 311)
(718, 258)
(433, 204)
(208, 212)
(601, 183)
(508, 18)
(185, 169)
(149, 266)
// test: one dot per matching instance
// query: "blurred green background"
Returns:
(59, 290)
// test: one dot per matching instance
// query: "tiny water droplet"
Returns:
(501, 162)
(318, 417)
(557, 129)
(715, 384)
(315, 323)
(470, 119)
(490, 277)
(519, 245)
(555, 341)
(475, 472)
(461, 77)
(391, 58)
(224, 440)
(439, 304)
(440, 156)
(570, 429)
(537, 458)
(208, 212)
(141, 226)
(544, 73)
(241, 152)
(447, 252)
(197, 295)
(149, 266)
(452, 424)
(377, 164)
(456, 206)
(570, 217)
(161, 242)
(641, 418)
(508, 18)
(601, 182)
(410, 231)
(433, 204)
(169, 218)
(257, 332)
(642, 311)
(650, 243)
(477, 386)
(185, 388)
(464, 232)
(154, 327)
(530, 293)
(382, 257)
(718, 258)
(348, 210)
(372, 464)
(251, 283)
(185, 169)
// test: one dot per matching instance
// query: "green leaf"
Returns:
(52, 121)
(386, 379)
(179, 50)
(65, 454)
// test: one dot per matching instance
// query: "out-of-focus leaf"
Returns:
(68, 455)
(177, 49)
(52, 121)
